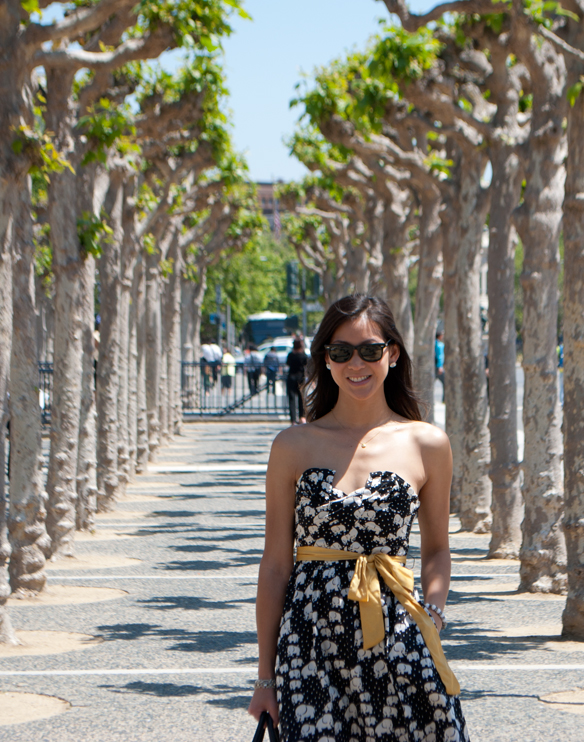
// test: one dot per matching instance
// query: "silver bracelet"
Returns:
(439, 611)
(271, 683)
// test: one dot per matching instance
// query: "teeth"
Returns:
(357, 378)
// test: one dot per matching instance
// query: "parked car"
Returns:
(283, 346)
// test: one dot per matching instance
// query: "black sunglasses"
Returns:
(343, 352)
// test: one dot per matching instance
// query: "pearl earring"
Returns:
(328, 365)
(392, 365)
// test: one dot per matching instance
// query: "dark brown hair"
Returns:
(321, 392)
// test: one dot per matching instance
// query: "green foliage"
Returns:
(252, 281)
(574, 91)
(543, 12)
(105, 124)
(92, 230)
(166, 267)
(195, 23)
(404, 57)
(149, 242)
(438, 164)
(43, 256)
(38, 146)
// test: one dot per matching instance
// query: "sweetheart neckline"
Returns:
(372, 474)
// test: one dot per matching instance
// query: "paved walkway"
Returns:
(177, 653)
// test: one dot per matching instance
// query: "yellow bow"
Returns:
(365, 589)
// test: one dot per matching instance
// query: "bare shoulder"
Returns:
(292, 446)
(433, 442)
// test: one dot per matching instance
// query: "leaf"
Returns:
(573, 92)
(31, 6)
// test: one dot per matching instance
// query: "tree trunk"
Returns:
(141, 412)
(68, 270)
(7, 635)
(187, 318)
(452, 375)
(538, 221)
(396, 268)
(199, 295)
(153, 351)
(174, 386)
(133, 381)
(28, 535)
(44, 299)
(475, 497)
(507, 504)
(109, 350)
(128, 260)
(573, 616)
(163, 398)
(87, 454)
(428, 297)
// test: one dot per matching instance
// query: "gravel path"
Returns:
(178, 649)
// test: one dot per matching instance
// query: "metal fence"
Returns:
(210, 389)
(207, 389)
(45, 390)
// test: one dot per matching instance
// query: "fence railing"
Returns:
(207, 389)
(213, 389)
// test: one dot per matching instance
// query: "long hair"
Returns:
(321, 392)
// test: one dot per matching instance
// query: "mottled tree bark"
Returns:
(452, 375)
(538, 221)
(475, 499)
(68, 351)
(129, 252)
(109, 350)
(27, 516)
(174, 332)
(573, 225)
(141, 411)
(428, 295)
(86, 454)
(7, 635)
(395, 264)
(507, 504)
(153, 350)
(133, 381)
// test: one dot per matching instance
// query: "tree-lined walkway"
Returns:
(167, 584)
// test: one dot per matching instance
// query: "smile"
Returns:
(357, 379)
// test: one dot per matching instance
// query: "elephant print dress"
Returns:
(328, 687)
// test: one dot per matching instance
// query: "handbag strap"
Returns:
(266, 720)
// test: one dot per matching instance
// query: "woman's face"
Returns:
(358, 378)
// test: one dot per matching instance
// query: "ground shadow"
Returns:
(192, 603)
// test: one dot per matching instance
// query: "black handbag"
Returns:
(266, 721)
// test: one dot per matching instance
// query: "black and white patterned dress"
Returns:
(329, 688)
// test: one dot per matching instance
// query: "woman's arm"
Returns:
(275, 567)
(433, 517)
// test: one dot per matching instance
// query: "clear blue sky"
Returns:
(264, 60)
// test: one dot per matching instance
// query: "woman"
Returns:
(296, 363)
(340, 657)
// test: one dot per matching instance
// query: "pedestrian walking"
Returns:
(227, 371)
(346, 647)
(296, 362)
(272, 366)
(439, 359)
(253, 361)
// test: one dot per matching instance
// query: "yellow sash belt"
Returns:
(365, 589)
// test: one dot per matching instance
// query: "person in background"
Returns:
(227, 371)
(253, 363)
(296, 362)
(439, 358)
(272, 366)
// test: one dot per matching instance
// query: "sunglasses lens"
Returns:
(340, 353)
(371, 352)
